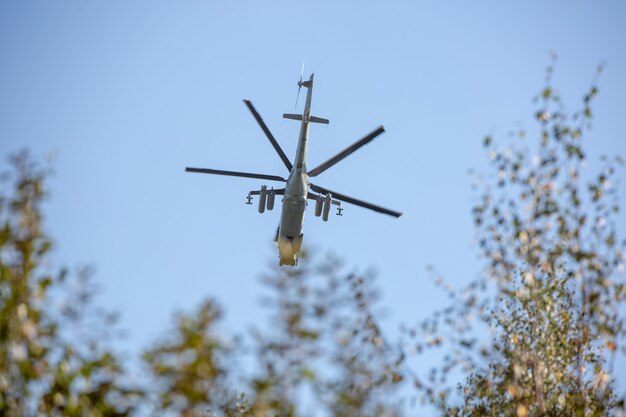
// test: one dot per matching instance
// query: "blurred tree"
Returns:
(324, 339)
(52, 360)
(552, 292)
(189, 367)
(321, 354)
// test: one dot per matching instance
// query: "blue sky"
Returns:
(128, 93)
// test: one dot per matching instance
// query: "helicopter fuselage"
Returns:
(296, 192)
(289, 238)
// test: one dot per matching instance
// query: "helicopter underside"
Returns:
(288, 249)
(296, 191)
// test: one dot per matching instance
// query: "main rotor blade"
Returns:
(236, 174)
(345, 198)
(341, 155)
(269, 135)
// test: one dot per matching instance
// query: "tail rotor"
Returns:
(299, 84)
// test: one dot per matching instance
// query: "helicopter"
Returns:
(298, 189)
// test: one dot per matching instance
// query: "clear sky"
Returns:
(128, 93)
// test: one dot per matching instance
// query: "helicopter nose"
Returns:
(285, 251)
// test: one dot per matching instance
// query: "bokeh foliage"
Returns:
(537, 333)
(52, 360)
(188, 368)
(322, 353)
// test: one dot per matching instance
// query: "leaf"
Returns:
(542, 116)
(45, 283)
(307, 373)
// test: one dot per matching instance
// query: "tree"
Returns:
(189, 367)
(325, 336)
(552, 290)
(52, 362)
(323, 339)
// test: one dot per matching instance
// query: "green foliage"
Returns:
(553, 279)
(322, 339)
(51, 363)
(325, 338)
(188, 368)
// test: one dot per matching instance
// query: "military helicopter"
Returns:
(296, 191)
